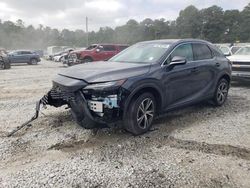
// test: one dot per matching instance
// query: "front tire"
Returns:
(140, 114)
(7, 65)
(221, 92)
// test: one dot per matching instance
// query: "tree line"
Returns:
(212, 24)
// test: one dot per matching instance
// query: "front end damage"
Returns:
(97, 102)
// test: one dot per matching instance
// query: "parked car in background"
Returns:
(39, 52)
(234, 49)
(147, 79)
(225, 50)
(58, 58)
(60, 55)
(4, 60)
(24, 56)
(95, 52)
(241, 64)
(73, 57)
(51, 50)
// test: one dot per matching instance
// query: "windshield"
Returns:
(142, 53)
(243, 51)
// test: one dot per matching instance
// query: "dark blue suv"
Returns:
(141, 82)
(24, 56)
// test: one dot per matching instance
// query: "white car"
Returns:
(59, 58)
(241, 64)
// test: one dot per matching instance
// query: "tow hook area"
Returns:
(98, 104)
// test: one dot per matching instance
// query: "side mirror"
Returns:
(97, 50)
(178, 60)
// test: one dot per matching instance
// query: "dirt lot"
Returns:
(199, 146)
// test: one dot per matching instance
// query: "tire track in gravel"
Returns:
(216, 149)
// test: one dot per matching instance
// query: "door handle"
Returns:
(217, 64)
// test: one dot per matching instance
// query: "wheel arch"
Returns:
(33, 58)
(225, 76)
(154, 90)
(87, 57)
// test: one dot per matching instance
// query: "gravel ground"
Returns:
(199, 146)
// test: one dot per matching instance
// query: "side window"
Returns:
(184, 50)
(123, 47)
(25, 52)
(201, 52)
(109, 48)
(15, 53)
(100, 47)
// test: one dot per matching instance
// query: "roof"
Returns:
(175, 41)
(110, 44)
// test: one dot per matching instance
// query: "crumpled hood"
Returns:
(239, 58)
(104, 71)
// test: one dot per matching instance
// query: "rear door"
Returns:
(26, 55)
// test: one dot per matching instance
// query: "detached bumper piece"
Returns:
(42, 101)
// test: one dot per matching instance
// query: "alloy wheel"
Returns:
(222, 92)
(33, 61)
(145, 113)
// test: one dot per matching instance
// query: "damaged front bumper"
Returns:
(99, 105)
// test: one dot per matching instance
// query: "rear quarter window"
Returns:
(202, 52)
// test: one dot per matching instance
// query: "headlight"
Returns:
(105, 85)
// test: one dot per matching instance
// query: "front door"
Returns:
(179, 80)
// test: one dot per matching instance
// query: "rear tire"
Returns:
(140, 114)
(221, 92)
(33, 62)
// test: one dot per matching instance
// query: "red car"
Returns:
(95, 52)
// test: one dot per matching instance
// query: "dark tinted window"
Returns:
(122, 47)
(91, 47)
(109, 48)
(184, 50)
(202, 51)
(25, 52)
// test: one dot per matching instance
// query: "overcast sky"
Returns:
(71, 14)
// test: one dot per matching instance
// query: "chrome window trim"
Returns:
(196, 42)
